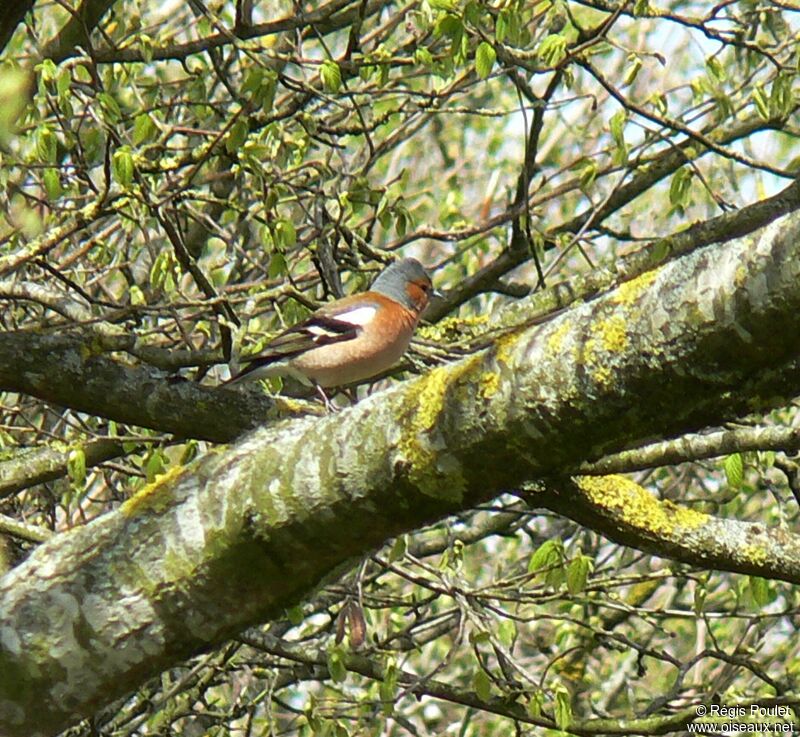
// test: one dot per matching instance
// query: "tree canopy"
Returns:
(571, 507)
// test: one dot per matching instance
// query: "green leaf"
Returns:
(563, 708)
(482, 685)
(398, 549)
(588, 174)
(110, 107)
(700, 594)
(144, 129)
(501, 26)
(63, 81)
(388, 688)
(536, 703)
(47, 70)
(659, 102)
(781, 100)
(549, 553)
(154, 466)
(680, 186)
(507, 632)
(76, 466)
(473, 13)
(759, 590)
(285, 234)
(295, 615)
(161, 276)
(146, 47)
(734, 470)
(336, 665)
(13, 97)
(236, 137)
(617, 127)
(578, 573)
(261, 84)
(122, 166)
(52, 183)
(716, 69)
(46, 145)
(632, 71)
(552, 49)
(485, 56)
(442, 4)
(136, 296)
(331, 75)
(451, 26)
(277, 265)
(423, 57)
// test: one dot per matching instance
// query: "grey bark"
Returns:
(96, 611)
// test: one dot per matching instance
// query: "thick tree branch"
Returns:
(11, 15)
(95, 611)
(77, 30)
(629, 515)
(69, 371)
(720, 229)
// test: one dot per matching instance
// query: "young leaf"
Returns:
(76, 466)
(122, 166)
(485, 56)
(549, 553)
(331, 75)
(52, 183)
(759, 590)
(507, 632)
(563, 708)
(734, 470)
(144, 129)
(336, 665)
(578, 573)
(482, 685)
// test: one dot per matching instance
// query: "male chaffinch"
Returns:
(350, 339)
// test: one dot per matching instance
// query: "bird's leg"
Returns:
(328, 404)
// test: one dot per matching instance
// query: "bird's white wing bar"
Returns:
(359, 316)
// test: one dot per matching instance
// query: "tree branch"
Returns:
(11, 15)
(629, 515)
(698, 341)
(70, 371)
(696, 448)
(649, 172)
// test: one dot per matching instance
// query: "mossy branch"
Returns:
(703, 339)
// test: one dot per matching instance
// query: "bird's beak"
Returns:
(436, 293)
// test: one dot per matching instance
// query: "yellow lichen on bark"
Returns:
(630, 291)
(155, 496)
(433, 471)
(634, 506)
(489, 384)
(556, 338)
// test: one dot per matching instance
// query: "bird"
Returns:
(350, 339)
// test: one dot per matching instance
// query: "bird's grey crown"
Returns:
(392, 281)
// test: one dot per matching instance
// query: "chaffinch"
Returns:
(350, 339)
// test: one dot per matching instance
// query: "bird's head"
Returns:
(406, 282)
